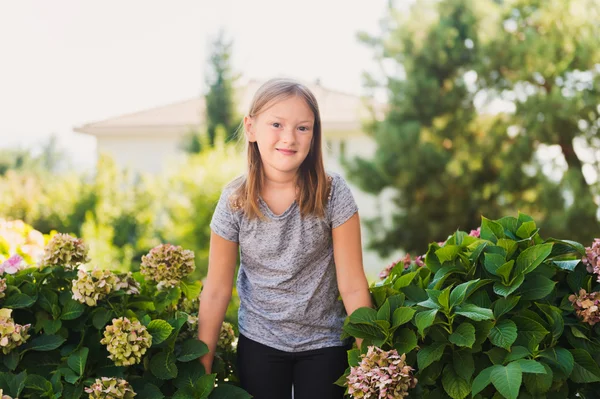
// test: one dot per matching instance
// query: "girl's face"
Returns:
(283, 133)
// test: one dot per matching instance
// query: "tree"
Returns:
(447, 154)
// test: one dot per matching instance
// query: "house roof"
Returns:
(340, 112)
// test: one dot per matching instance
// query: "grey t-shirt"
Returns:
(287, 279)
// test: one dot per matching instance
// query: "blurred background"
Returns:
(118, 119)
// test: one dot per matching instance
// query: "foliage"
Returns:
(492, 108)
(489, 316)
(133, 339)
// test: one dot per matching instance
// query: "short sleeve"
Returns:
(225, 222)
(342, 205)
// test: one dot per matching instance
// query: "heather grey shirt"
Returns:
(287, 280)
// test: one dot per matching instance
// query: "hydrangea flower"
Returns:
(126, 282)
(11, 334)
(406, 261)
(65, 250)
(226, 337)
(381, 375)
(2, 287)
(126, 341)
(110, 388)
(586, 306)
(188, 305)
(167, 264)
(13, 264)
(592, 258)
(3, 396)
(475, 233)
(90, 287)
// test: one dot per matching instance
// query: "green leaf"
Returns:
(447, 253)
(493, 261)
(539, 383)
(555, 319)
(531, 333)
(464, 335)
(504, 271)
(226, 391)
(526, 229)
(455, 386)
(101, 317)
(205, 385)
(402, 315)
(19, 301)
(531, 258)
(536, 287)
(531, 366)
(404, 280)
(45, 342)
(497, 355)
(384, 311)
(509, 223)
(363, 315)
(47, 298)
(503, 334)
(192, 349)
(568, 265)
(491, 230)
(163, 366)
(11, 360)
(51, 326)
(474, 312)
(585, 369)
(353, 357)
(562, 247)
(464, 364)
(150, 391)
(560, 358)
(72, 310)
(16, 383)
(510, 246)
(160, 331)
(517, 352)
(506, 290)
(483, 379)
(505, 305)
(459, 293)
(424, 320)
(191, 289)
(444, 298)
(429, 354)
(405, 340)
(77, 360)
(507, 380)
(37, 383)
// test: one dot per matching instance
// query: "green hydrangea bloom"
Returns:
(11, 334)
(226, 337)
(167, 264)
(126, 341)
(110, 388)
(65, 250)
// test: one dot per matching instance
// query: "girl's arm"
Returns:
(216, 294)
(347, 253)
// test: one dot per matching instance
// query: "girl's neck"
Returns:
(279, 181)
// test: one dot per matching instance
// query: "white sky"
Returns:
(65, 63)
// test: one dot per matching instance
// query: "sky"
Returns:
(66, 63)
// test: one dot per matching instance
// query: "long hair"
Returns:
(311, 180)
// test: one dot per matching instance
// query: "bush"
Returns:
(497, 313)
(65, 329)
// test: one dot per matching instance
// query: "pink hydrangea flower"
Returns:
(476, 232)
(592, 258)
(12, 265)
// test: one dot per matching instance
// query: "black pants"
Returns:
(268, 373)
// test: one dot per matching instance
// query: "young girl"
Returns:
(298, 233)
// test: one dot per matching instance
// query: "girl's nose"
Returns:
(287, 135)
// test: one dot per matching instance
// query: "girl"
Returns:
(298, 233)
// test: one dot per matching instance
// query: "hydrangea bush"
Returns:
(498, 312)
(71, 331)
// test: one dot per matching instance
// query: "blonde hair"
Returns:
(312, 181)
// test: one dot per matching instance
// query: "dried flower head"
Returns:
(65, 250)
(110, 388)
(382, 375)
(167, 264)
(592, 258)
(126, 341)
(586, 306)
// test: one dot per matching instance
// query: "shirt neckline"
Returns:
(272, 214)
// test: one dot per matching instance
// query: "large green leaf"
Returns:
(507, 380)
(559, 358)
(72, 310)
(506, 290)
(483, 379)
(405, 280)
(204, 386)
(531, 366)
(536, 287)
(402, 315)
(531, 333)
(505, 270)
(531, 258)
(405, 340)
(384, 312)
(505, 305)
(37, 383)
(364, 315)
(150, 391)
(491, 230)
(474, 312)
(101, 317)
(459, 293)
(585, 369)
(160, 331)
(77, 360)
(227, 391)
(555, 319)
(447, 253)
(539, 383)
(464, 335)
(569, 265)
(503, 334)
(47, 298)
(455, 386)
(492, 262)
(45, 342)
(192, 349)
(464, 364)
(429, 354)
(163, 366)
(424, 320)
(18, 301)
(562, 247)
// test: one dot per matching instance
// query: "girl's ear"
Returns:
(249, 128)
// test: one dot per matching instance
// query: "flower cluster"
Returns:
(126, 341)
(110, 388)
(189, 305)
(382, 375)
(91, 287)
(475, 233)
(11, 334)
(22, 238)
(167, 264)
(586, 306)
(406, 261)
(592, 258)
(2, 287)
(65, 250)
(226, 336)
(12, 264)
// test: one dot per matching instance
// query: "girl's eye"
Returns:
(304, 129)
(276, 124)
